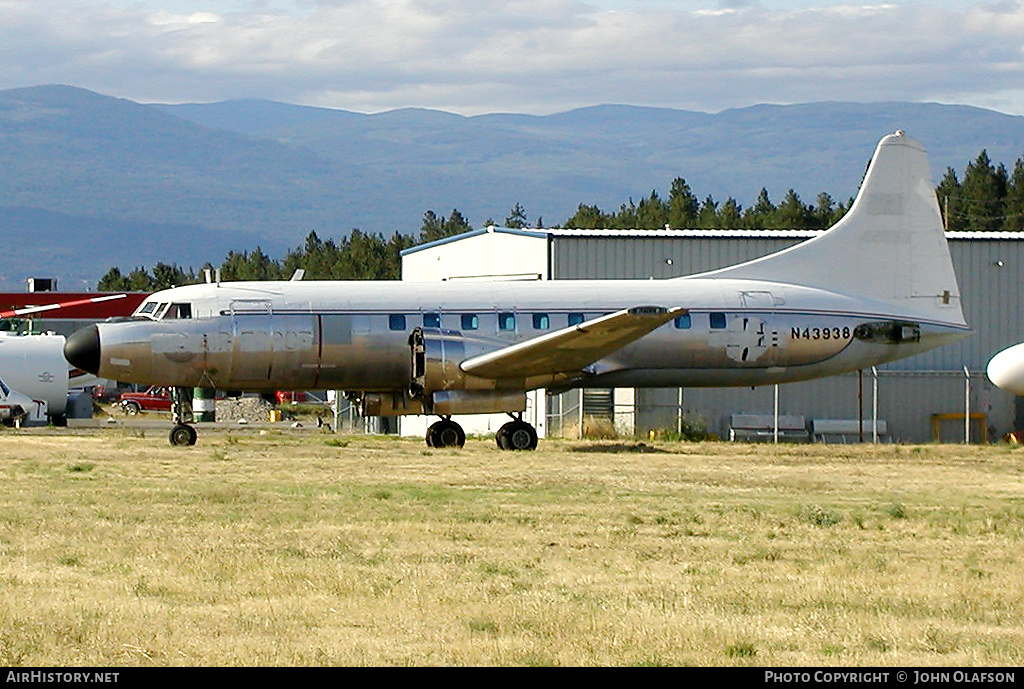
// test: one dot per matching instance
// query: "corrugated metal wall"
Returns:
(990, 270)
(906, 401)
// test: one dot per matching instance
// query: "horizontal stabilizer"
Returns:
(570, 349)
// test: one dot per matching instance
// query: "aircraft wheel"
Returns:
(517, 435)
(445, 433)
(501, 437)
(183, 434)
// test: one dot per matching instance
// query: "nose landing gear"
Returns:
(183, 434)
(181, 411)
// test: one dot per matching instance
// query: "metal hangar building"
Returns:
(942, 394)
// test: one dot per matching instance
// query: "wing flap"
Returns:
(571, 349)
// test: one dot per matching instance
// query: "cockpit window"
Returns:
(179, 311)
(160, 310)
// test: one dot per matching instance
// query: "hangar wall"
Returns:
(990, 273)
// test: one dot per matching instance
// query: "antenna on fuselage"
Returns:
(297, 275)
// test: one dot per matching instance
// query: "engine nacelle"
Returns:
(391, 404)
(444, 387)
(448, 402)
(436, 355)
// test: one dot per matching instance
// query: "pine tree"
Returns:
(517, 217)
(1013, 207)
(761, 214)
(948, 194)
(652, 213)
(588, 218)
(432, 227)
(984, 189)
(707, 218)
(683, 206)
(139, 280)
(113, 281)
(730, 215)
(456, 224)
(825, 213)
(792, 213)
(626, 218)
(166, 276)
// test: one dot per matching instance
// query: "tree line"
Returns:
(987, 198)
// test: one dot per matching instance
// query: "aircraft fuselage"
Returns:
(356, 335)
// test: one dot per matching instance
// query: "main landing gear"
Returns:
(516, 435)
(445, 433)
(181, 411)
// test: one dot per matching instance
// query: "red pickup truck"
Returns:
(153, 399)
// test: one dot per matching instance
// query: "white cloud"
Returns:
(475, 56)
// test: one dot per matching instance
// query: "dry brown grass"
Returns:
(306, 549)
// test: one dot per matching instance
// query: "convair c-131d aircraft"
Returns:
(877, 286)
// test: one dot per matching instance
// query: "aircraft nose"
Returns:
(1006, 369)
(82, 349)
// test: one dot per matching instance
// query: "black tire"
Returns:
(182, 434)
(132, 408)
(517, 435)
(445, 433)
(501, 437)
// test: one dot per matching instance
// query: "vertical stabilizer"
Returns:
(889, 246)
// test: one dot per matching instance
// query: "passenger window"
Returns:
(396, 321)
(506, 321)
(683, 322)
(575, 318)
(431, 320)
(717, 321)
(541, 321)
(470, 321)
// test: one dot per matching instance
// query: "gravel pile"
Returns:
(252, 409)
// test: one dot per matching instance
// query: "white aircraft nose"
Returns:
(1006, 369)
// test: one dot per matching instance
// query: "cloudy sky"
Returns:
(532, 56)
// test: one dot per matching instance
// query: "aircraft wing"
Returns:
(50, 307)
(571, 349)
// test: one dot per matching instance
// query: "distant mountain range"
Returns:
(89, 181)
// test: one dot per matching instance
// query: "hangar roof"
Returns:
(668, 233)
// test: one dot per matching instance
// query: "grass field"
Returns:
(301, 548)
